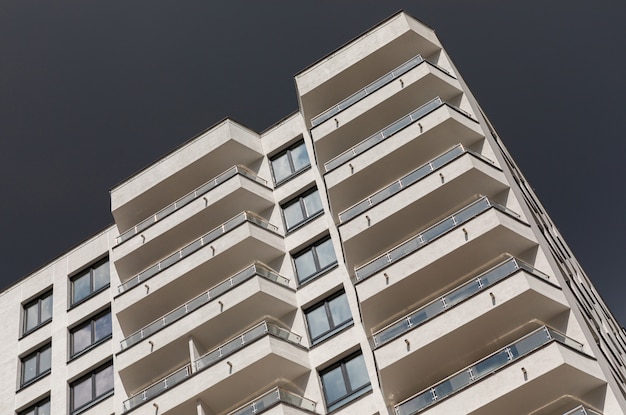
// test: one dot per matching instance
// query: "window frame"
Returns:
(35, 407)
(38, 302)
(287, 151)
(333, 328)
(95, 399)
(299, 199)
(319, 270)
(351, 394)
(94, 343)
(92, 290)
(38, 372)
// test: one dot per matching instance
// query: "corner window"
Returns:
(40, 408)
(328, 317)
(289, 162)
(90, 333)
(92, 388)
(90, 281)
(314, 260)
(345, 381)
(37, 312)
(36, 365)
(300, 210)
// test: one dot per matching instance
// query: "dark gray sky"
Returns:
(92, 91)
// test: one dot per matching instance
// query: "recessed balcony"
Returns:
(544, 364)
(203, 263)
(376, 223)
(187, 218)
(464, 324)
(258, 356)
(184, 169)
(432, 261)
(396, 150)
(369, 113)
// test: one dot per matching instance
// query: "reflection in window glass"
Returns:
(345, 381)
(328, 317)
(36, 364)
(91, 387)
(314, 260)
(90, 281)
(37, 312)
(40, 408)
(291, 161)
(301, 209)
(90, 332)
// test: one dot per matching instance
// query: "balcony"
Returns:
(211, 258)
(277, 397)
(582, 410)
(376, 223)
(434, 260)
(184, 220)
(553, 365)
(465, 324)
(411, 141)
(257, 357)
(369, 113)
(184, 169)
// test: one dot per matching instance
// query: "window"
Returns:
(290, 162)
(345, 381)
(40, 408)
(92, 388)
(314, 260)
(90, 281)
(37, 312)
(300, 210)
(328, 317)
(36, 365)
(90, 333)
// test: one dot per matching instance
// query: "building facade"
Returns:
(376, 252)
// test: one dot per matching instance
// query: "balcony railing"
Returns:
(195, 246)
(582, 410)
(496, 361)
(188, 198)
(374, 86)
(442, 304)
(263, 329)
(406, 181)
(256, 269)
(273, 398)
(430, 234)
(388, 131)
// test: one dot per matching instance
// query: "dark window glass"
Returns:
(328, 317)
(40, 408)
(314, 260)
(290, 162)
(300, 210)
(92, 387)
(90, 281)
(37, 312)
(36, 365)
(90, 333)
(345, 381)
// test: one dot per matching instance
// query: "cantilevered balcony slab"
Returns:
(378, 160)
(221, 383)
(381, 108)
(186, 220)
(390, 288)
(394, 213)
(362, 61)
(207, 155)
(546, 374)
(464, 333)
(197, 267)
(162, 345)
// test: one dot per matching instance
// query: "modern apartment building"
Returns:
(376, 252)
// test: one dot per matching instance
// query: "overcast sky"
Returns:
(92, 91)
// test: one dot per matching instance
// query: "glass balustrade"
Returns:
(442, 304)
(428, 235)
(373, 87)
(209, 359)
(483, 368)
(406, 181)
(256, 269)
(195, 246)
(582, 410)
(273, 398)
